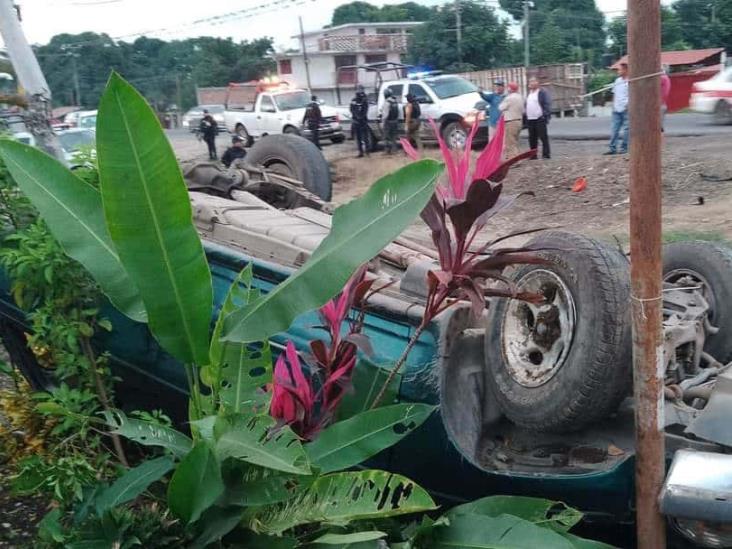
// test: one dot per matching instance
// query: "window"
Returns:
(267, 105)
(361, 31)
(292, 100)
(397, 90)
(419, 93)
(376, 58)
(285, 66)
(451, 86)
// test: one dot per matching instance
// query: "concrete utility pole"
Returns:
(77, 89)
(30, 78)
(305, 55)
(526, 35)
(644, 51)
(459, 31)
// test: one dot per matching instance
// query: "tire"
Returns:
(23, 359)
(454, 135)
(723, 113)
(291, 130)
(337, 139)
(296, 157)
(710, 264)
(242, 132)
(588, 362)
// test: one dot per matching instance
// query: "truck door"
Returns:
(426, 102)
(267, 117)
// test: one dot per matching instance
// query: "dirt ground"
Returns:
(697, 186)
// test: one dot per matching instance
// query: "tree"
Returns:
(363, 12)
(705, 23)
(672, 33)
(485, 39)
(548, 45)
(159, 69)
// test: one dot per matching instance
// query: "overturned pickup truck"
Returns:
(534, 399)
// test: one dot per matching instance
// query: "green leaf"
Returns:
(340, 498)
(252, 438)
(502, 532)
(350, 442)
(367, 380)
(149, 218)
(72, 209)
(544, 512)
(133, 483)
(149, 434)
(251, 485)
(50, 528)
(252, 540)
(196, 484)
(217, 521)
(581, 543)
(356, 537)
(359, 231)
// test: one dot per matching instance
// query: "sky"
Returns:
(171, 19)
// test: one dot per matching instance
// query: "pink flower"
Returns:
(292, 396)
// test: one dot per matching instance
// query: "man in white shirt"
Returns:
(620, 112)
(538, 112)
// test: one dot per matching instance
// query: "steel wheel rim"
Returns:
(457, 138)
(536, 339)
(690, 278)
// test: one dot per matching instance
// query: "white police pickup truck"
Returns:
(253, 111)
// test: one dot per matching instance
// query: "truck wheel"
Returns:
(242, 132)
(294, 157)
(337, 139)
(22, 358)
(723, 113)
(454, 135)
(710, 265)
(291, 130)
(566, 363)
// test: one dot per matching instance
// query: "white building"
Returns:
(343, 46)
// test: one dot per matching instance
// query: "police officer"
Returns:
(390, 120)
(360, 118)
(234, 152)
(413, 120)
(209, 128)
(312, 120)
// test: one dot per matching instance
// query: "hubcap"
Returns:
(456, 138)
(536, 339)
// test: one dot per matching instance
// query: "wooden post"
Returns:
(644, 49)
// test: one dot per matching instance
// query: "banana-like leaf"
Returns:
(149, 434)
(340, 498)
(72, 209)
(252, 438)
(551, 514)
(251, 485)
(345, 539)
(196, 483)
(149, 218)
(350, 442)
(359, 231)
(133, 483)
(217, 521)
(501, 532)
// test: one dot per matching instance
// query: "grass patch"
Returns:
(681, 235)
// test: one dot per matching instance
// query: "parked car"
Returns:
(192, 119)
(75, 140)
(714, 97)
(533, 399)
(25, 137)
(262, 111)
(87, 120)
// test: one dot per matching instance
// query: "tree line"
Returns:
(167, 72)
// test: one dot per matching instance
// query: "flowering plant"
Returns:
(295, 399)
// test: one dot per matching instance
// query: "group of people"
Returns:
(208, 129)
(534, 112)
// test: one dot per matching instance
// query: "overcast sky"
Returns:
(169, 19)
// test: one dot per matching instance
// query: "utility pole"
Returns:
(75, 69)
(305, 56)
(644, 51)
(526, 35)
(459, 31)
(30, 78)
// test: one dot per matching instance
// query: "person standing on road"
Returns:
(665, 92)
(538, 113)
(493, 100)
(234, 152)
(209, 128)
(313, 119)
(360, 117)
(413, 121)
(512, 108)
(390, 120)
(620, 112)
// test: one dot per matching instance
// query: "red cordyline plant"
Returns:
(456, 213)
(308, 403)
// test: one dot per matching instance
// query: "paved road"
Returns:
(677, 125)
